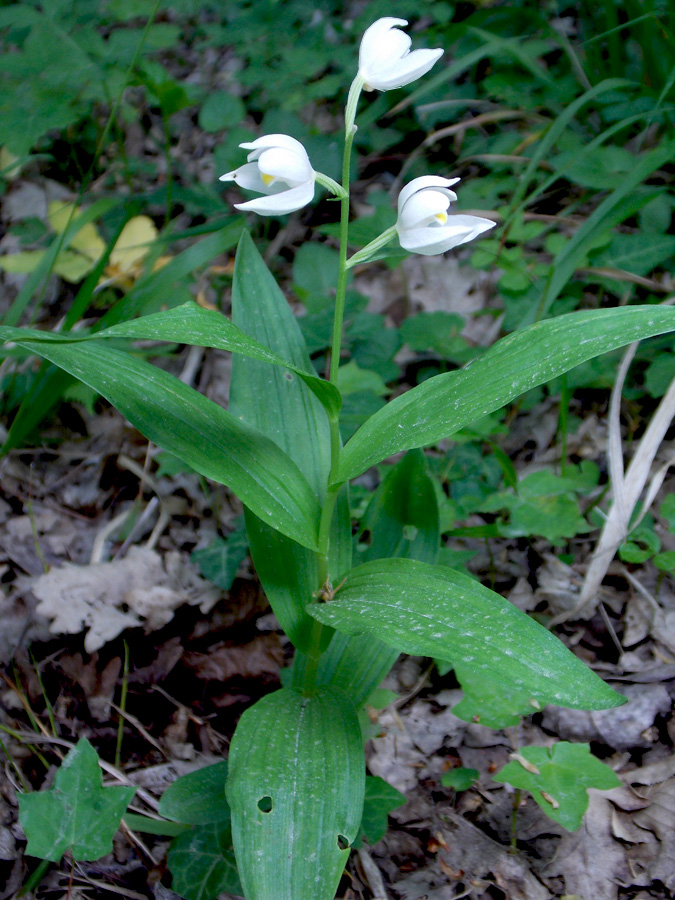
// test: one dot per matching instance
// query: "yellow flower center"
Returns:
(267, 179)
(442, 217)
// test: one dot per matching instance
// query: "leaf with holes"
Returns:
(558, 778)
(78, 813)
(507, 664)
(295, 789)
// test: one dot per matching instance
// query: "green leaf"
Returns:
(508, 665)
(179, 419)
(621, 203)
(402, 516)
(197, 798)
(202, 863)
(288, 414)
(295, 788)
(380, 799)
(220, 111)
(191, 324)
(558, 778)
(444, 404)
(403, 520)
(78, 813)
(639, 253)
(220, 561)
(460, 779)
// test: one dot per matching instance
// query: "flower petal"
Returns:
(287, 165)
(408, 69)
(267, 141)
(432, 241)
(385, 60)
(246, 176)
(419, 184)
(424, 206)
(374, 36)
(281, 203)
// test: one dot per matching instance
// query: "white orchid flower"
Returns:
(424, 225)
(385, 60)
(279, 168)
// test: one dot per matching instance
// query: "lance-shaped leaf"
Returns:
(78, 813)
(179, 419)
(446, 403)
(286, 412)
(295, 789)
(435, 611)
(191, 324)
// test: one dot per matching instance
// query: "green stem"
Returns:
(314, 652)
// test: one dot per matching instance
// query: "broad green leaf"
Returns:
(295, 788)
(508, 665)
(380, 799)
(267, 398)
(558, 778)
(197, 798)
(78, 813)
(191, 324)
(179, 419)
(288, 414)
(202, 863)
(402, 516)
(444, 404)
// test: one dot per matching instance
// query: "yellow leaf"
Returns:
(87, 241)
(21, 263)
(8, 165)
(133, 244)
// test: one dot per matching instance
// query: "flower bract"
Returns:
(385, 60)
(279, 168)
(424, 225)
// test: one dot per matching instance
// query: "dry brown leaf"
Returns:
(107, 598)
(623, 727)
(261, 656)
(590, 860)
(98, 688)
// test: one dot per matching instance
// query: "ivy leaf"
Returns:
(202, 863)
(558, 779)
(380, 799)
(220, 561)
(77, 814)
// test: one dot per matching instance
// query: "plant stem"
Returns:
(314, 652)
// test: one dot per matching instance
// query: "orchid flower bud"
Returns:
(385, 60)
(424, 225)
(279, 168)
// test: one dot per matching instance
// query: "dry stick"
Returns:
(626, 488)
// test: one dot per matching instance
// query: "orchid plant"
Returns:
(295, 785)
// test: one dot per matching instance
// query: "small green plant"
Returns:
(295, 783)
(78, 814)
(558, 778)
